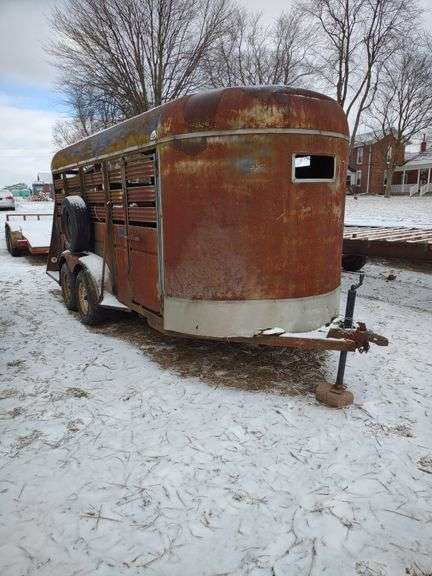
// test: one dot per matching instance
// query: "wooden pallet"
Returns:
(409, 243)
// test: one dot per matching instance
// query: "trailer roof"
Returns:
(253, 108)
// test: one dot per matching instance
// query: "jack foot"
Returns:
(331, 395)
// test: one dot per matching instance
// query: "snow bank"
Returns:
(395, 211)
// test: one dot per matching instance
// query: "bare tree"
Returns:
(123, 57)
(355, 39)
(402, 106)
(90, 113)
(252, 53)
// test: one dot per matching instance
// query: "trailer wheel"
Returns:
(353, 262)
(87, 300)
(76, 225)
(13, 251)
(68, 287)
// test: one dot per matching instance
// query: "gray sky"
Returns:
(24, 28)
(29, 105)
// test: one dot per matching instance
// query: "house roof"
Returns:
(369, 138)
(416, 160)
(365, 138)
(44, 178)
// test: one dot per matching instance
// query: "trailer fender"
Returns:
(16, 234)
(14, 240)
(93, 264)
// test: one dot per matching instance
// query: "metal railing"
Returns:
(425, 189)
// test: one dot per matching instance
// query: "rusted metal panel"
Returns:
(142, 214)
(225, 109)
(99, 237)
(143, 239)
(235, 225)
(120, 262)
(142, 194)
(144, 276)
(409, 243)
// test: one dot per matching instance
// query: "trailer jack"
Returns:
(336, 395)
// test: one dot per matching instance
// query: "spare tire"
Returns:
(76, 224)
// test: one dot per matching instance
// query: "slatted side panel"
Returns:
(140, 184)
(93, 192)
(131, 189)
(56, 245)
(65, 184)
(142, 234)
(139, 181)
(134, 232)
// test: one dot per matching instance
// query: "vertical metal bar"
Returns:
(369, 169)
(109, 227)
(108, 221)
(126, 222)
(65, 188)
(159, 213)
(65, 184)
(81, 180)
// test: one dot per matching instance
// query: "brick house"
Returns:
(43, 185)
(368, 163)
(415, 175)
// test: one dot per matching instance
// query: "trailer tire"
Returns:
(76, 224)
(353, 262)
(13, 251)
(68, 287)
(89, 311)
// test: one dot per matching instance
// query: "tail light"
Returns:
(9, 197)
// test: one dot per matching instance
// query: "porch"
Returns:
(413, 178)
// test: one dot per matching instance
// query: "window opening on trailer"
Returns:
(314, 168)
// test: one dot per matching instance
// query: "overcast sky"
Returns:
(29, 105)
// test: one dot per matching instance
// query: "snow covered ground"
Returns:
(41, 207)
(394, 211)
(123, 452)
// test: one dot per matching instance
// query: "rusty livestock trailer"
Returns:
(218, 215)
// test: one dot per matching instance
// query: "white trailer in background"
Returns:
(28, 233)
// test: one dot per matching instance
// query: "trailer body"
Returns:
(218, 215)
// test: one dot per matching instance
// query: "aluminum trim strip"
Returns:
(246, 318)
